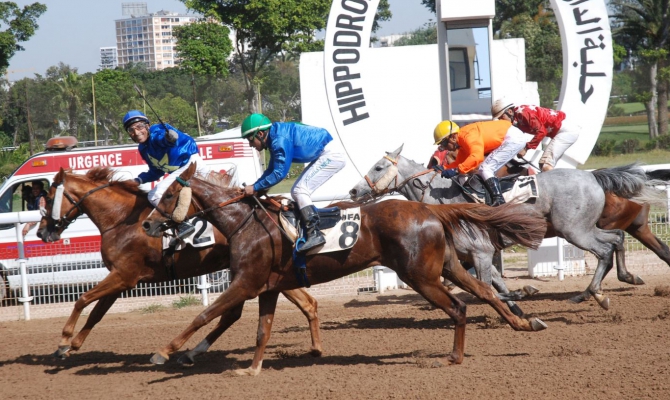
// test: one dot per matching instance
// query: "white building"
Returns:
(108, 58)
(148, 39)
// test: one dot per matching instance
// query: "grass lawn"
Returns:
(631, 108)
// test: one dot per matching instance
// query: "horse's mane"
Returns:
(218, 179)
(102, 175)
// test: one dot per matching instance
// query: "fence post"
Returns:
(203, 285)
(25, 293)
(379, 277)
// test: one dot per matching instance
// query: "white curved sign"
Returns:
(587, 69)
(346, 48)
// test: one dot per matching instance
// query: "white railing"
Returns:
(54, 282)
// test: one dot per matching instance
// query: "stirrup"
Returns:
(185, 229)
(317, 239)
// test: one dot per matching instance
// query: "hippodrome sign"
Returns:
(587, 68)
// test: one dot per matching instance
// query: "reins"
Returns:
(64, 220)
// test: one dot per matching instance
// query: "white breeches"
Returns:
(331, 160)
(514, 142)
(156, 193)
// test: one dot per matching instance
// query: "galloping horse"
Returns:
(411, 238)
(572, 202)
(117, 208)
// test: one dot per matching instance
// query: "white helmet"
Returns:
(500, 106)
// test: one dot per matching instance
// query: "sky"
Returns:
(72, 31)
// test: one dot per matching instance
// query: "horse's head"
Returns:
(173, 206)
(58, 212)
(378, 179)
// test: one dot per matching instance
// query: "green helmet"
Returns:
(254, 123)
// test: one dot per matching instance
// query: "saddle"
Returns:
(515, 189)
(329, 217)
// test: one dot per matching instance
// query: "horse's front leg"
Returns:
(267, 304)
(106, 291)
(231, 301)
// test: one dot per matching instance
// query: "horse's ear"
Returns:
(397, 151)
(59, 176)
(189, 172)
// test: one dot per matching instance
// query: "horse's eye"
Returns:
(168, 195)
(378, 168)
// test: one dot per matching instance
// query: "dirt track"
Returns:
(376, 346)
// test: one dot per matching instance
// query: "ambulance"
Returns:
(75, 259)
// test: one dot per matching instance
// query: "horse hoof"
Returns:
(186, 359)
(249, 371)
(638, 280)
(158, 359)
(530, 290)
(537, 325)
(316, 352)
(63, 352)
(603, 301)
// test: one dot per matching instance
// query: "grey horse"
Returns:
(570, 200)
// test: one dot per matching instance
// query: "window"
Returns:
(459, 69)
(20, 197)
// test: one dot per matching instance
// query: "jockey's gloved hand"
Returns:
(438, 168)
(138, 180)
(450, 173)
(171, 136)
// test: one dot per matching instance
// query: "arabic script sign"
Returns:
(587, 69)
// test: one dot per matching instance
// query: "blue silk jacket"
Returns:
(162, 156)
(290, 142)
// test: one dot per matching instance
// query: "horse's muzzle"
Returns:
(155, 228)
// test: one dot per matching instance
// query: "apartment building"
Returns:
(148, 39)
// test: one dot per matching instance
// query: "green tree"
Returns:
(644, 25)
(264, 29)
(427, 34)
(204, 48)
(114, 96)
(267, 29)
(20, 25)
(543, 51)
(281, 91)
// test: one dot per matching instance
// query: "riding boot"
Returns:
(313, 236)
(493, 186)
(185, 229)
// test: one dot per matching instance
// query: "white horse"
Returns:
(570, 200)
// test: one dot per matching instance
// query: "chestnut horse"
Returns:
(117, 209)
(413, 239)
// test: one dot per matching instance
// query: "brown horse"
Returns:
(411, 238)
(117, 209)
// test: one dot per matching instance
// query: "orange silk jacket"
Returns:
(477, 140)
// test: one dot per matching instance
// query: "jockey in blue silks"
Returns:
(289, 142)
(167, 151)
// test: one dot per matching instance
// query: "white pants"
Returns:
(331, 160)
(156, 193)
(566, 137)
(514, 142)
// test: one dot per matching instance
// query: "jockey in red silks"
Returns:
(540, 122)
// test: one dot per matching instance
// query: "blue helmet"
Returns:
(133, 116)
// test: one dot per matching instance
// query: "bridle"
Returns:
(171, 220)
(65, 220)
(387, 189)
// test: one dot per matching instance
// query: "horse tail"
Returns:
(516, 222)
(659, 175)
(631, 182)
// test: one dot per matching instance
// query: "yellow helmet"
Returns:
(444, 129)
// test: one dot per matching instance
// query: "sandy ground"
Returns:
(376, 347)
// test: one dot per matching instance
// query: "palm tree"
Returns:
(70, 91)
(644, 25)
